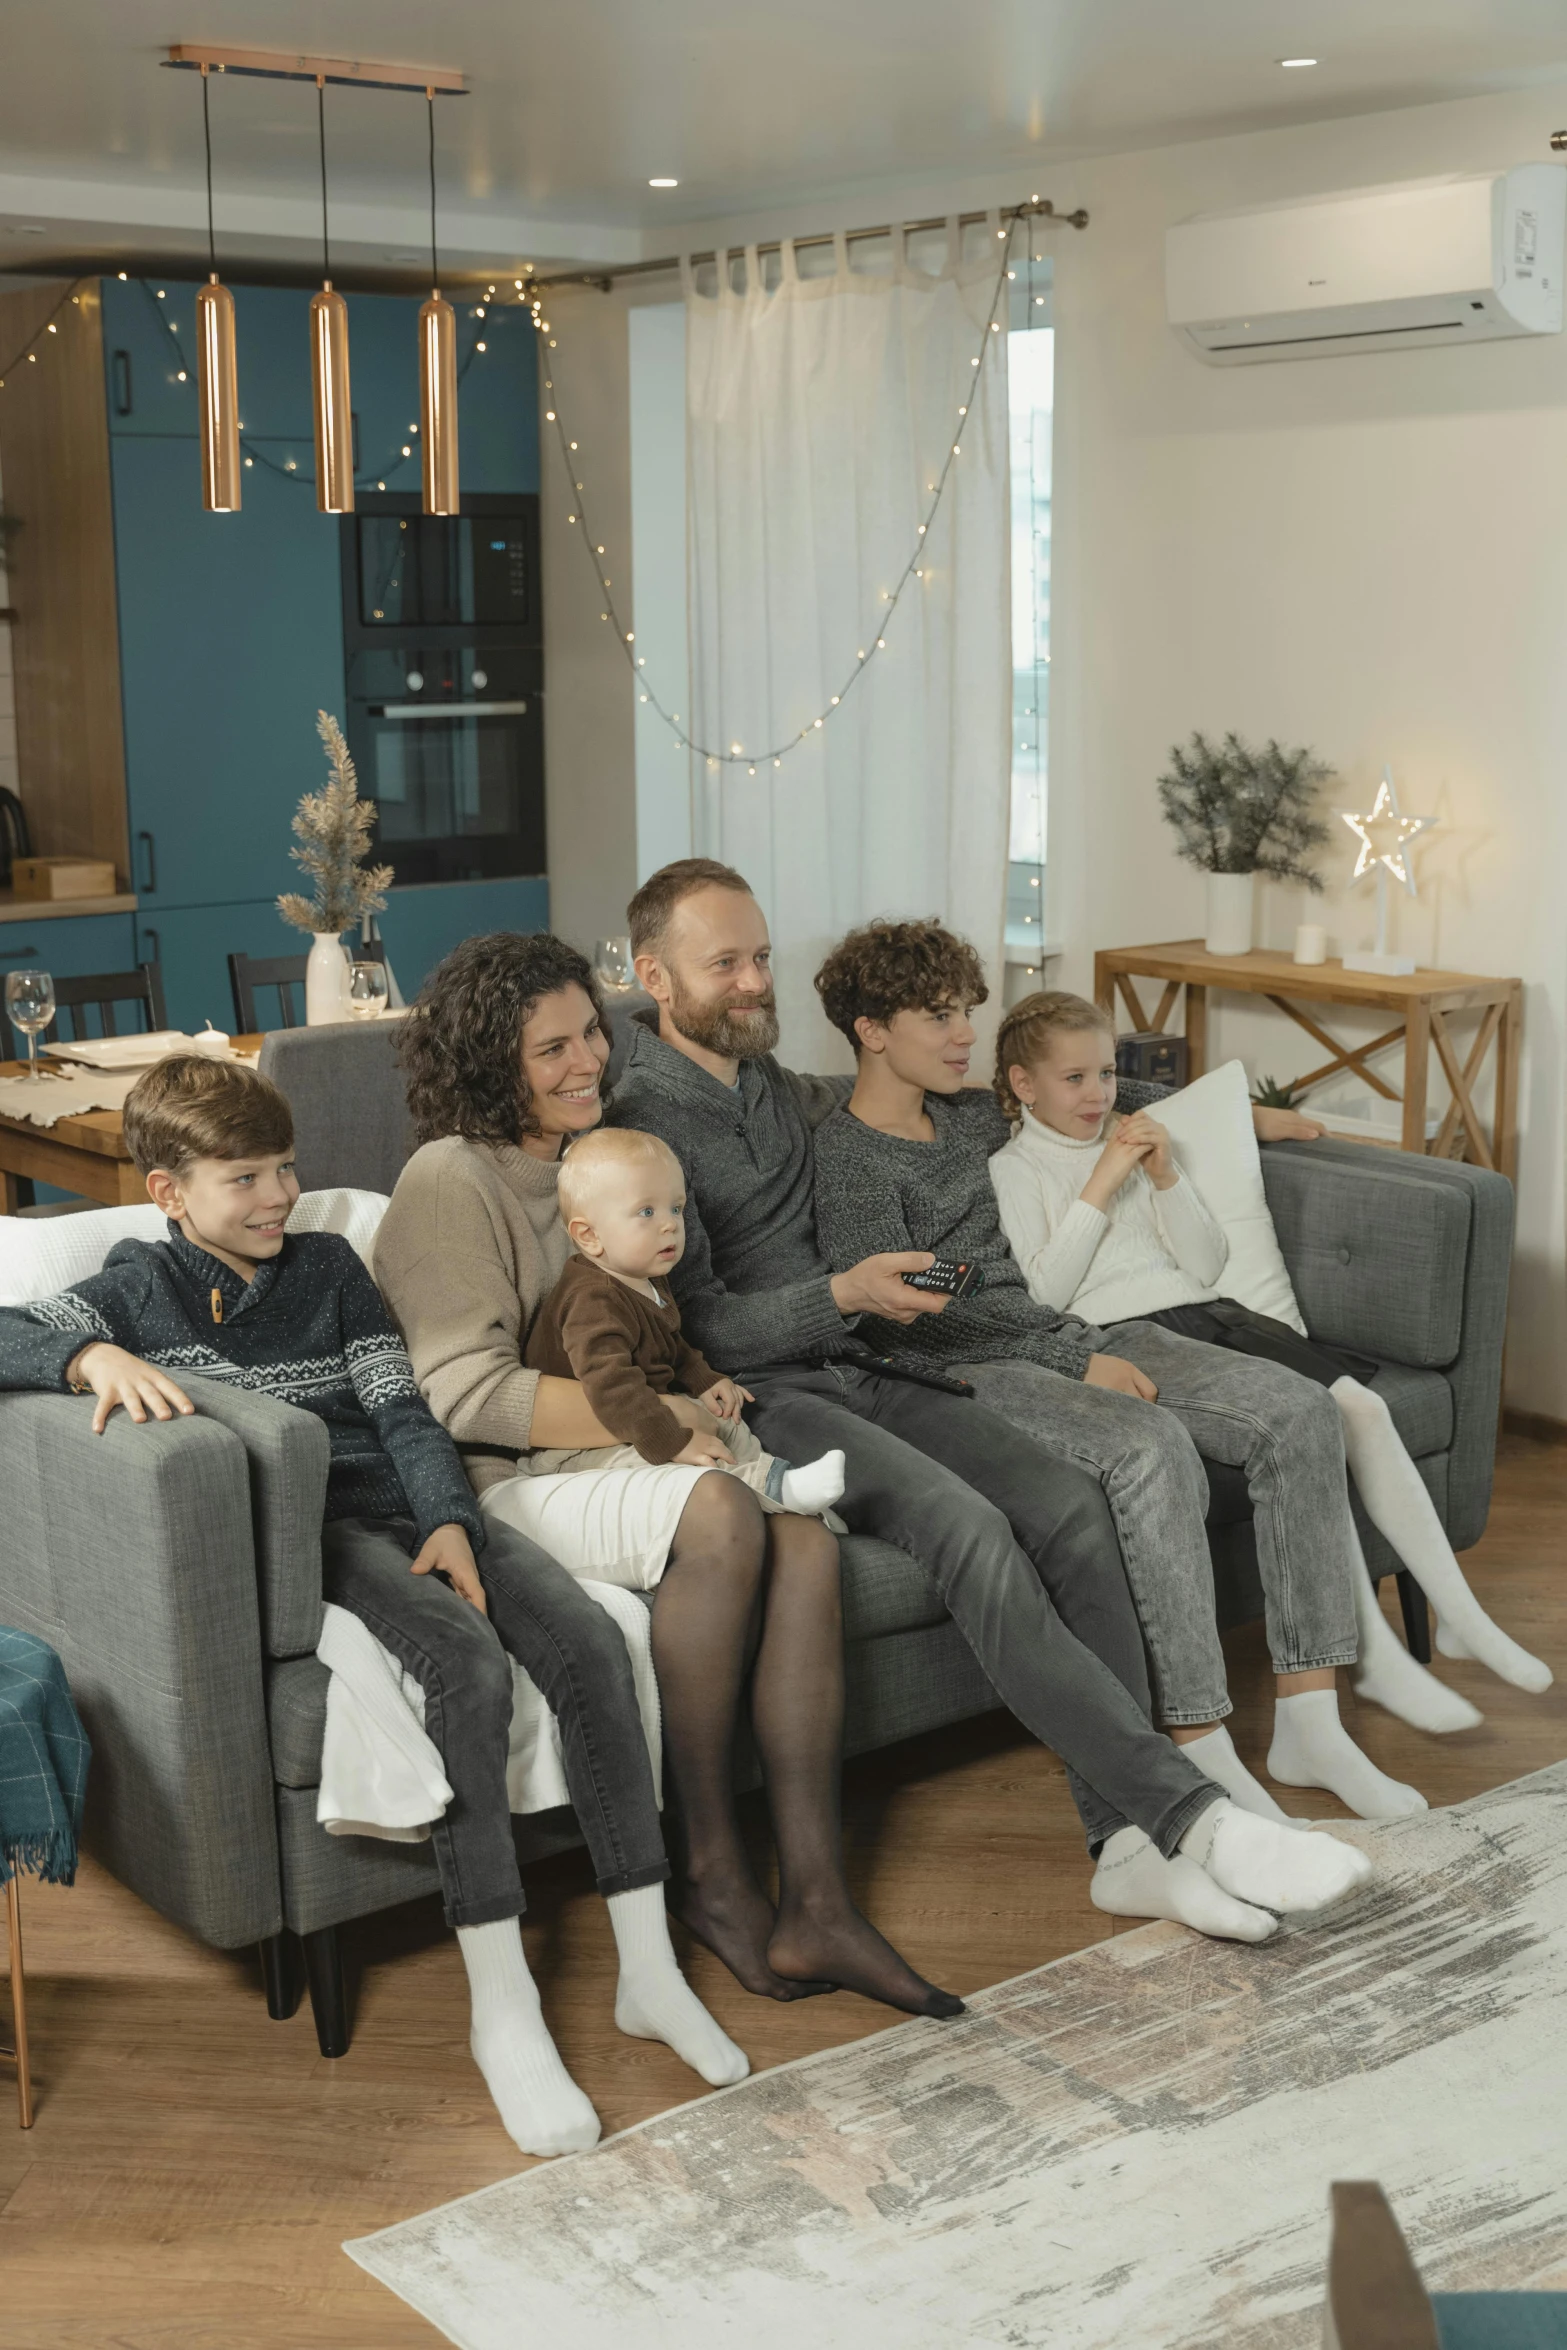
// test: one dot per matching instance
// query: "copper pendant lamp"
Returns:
(217, 376)
(334, 419)
(437, 375)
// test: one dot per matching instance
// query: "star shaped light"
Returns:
(1385, 832)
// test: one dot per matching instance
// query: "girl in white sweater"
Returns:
(1101, 1220)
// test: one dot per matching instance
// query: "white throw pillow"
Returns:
(40, 1256)
(1215, 1146)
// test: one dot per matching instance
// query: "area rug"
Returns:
(1131, 2147)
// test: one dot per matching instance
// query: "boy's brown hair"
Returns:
(647, 916)
(189, 1107)
(891, 967)
(1025, 1033)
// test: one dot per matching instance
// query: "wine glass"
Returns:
(366, 989)
(612, 964)
(29, 1004)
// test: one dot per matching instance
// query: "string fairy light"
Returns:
(718, 755)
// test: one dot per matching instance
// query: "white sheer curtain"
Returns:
(819, 417)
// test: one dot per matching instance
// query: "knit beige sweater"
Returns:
(469, 1249)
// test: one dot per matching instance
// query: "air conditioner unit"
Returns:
(1459, 260)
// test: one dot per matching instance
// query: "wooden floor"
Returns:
(194, 2167)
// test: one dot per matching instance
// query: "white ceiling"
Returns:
(575, 103)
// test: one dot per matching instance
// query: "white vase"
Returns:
(326, 980)
(1230, 898)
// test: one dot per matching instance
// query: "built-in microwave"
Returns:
(443, 649)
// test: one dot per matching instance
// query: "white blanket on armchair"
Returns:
(381, 1772)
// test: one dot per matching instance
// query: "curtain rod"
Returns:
(1036, 208)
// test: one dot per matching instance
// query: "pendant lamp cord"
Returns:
(326, 250)
(206, 130)
(435, 275)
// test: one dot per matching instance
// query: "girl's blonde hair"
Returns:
(1024, 1035)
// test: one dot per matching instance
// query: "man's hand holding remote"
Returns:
(876, 1286)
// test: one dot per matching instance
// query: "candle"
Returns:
(1311, 943)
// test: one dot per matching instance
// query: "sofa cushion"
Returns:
(1377, 1251)
(1215, 1146)
(296, 1719)
(37, 1259)
(884, 1590)
(1421, 1404)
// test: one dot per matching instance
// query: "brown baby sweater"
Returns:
(626, 1349)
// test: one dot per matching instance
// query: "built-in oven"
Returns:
(443, 647)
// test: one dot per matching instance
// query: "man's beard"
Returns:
(723, 1028)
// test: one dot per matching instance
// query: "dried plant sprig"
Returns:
(1239, 810)
(334, 827)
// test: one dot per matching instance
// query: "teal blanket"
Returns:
(43, 1762)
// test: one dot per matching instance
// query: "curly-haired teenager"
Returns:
(1020, 1545)
(906, 1163)
(505, 1053)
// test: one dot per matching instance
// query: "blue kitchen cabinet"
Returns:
(69, 945)
(230, 642)
(193, 944)
(421, 925)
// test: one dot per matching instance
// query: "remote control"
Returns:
(949, 1277)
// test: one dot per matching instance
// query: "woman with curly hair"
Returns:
(505, 1053)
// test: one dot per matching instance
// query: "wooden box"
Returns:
(62, 877)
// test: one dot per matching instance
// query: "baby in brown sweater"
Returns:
(609, 1325)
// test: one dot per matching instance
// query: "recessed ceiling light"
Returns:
(1290, 64)
(663, 183)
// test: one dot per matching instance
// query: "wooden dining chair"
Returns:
(101, 992)
(247, 973)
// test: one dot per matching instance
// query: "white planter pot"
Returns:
(326, 981)
(1230, 899)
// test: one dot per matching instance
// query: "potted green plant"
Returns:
(1237, 812)
(334, 827)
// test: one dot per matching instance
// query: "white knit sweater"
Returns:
(1153, 1249)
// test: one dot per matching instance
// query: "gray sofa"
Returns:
(176, 1569)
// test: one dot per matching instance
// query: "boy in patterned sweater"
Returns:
(230, 1296)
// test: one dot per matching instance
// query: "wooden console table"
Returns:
(1423, 1004)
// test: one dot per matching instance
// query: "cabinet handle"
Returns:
(120, 365)
(149, 861)
(151, 946)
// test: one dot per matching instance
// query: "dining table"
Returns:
(83, 1152)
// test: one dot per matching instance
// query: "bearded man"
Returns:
(1022, 1546)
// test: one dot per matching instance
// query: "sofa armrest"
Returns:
(131, 1554)
(1407, 1257)
(288, 1453)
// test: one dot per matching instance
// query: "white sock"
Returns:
(1134, 1880)
(653, 2000)
(813, 1489)
(1276, 1868)
(1403, 1512)
(1215, 1756)
(537, 2099)
(1312, 1748)
(1390, 1677)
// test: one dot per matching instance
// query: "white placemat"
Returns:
(54, 1098)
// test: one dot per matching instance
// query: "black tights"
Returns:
(748, 1593)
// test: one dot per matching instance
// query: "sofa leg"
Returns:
(1417, 1620)
(280, 1975)
(328, 2000)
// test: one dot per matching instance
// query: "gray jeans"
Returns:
(1282, 1430)
(563, 1642)
(1022, 1549)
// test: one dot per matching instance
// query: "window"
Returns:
(1031, 395)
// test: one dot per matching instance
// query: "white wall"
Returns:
(1368, 554)
(658, 569)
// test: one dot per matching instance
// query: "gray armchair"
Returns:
(176, 1569)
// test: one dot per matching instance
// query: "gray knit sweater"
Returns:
(752, 1286)
(879, 1191)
